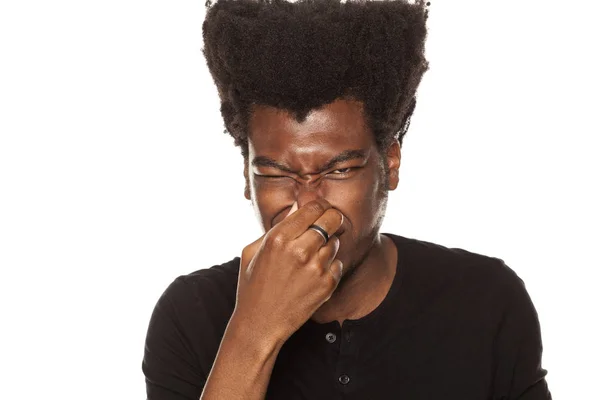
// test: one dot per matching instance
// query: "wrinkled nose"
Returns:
(307, 192)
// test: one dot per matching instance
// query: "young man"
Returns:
(318, 95)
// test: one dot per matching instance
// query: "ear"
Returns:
(247, 185)
(393, 156)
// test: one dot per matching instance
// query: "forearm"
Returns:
(243, 366)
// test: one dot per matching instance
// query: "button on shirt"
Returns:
(454, 325)
(330, 337)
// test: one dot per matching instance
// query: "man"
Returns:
(318, 95)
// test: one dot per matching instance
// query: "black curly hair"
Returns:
(301, 56)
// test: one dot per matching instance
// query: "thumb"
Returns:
(250, 251)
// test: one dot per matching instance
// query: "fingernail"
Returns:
(293, 209)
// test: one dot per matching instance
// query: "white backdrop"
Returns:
(112, 157)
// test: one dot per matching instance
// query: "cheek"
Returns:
(284, 193)
(269, 192)
(361, 202)
(357, 200)
(269, 200)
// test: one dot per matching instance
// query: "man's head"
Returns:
(318, 95)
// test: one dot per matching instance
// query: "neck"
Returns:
(365, 288)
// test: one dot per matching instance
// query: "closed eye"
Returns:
(272, 176)
(341, 171)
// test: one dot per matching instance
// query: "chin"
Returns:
(353, 259)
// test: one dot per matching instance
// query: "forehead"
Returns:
(326, 132)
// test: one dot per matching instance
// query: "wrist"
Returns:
(248, 334)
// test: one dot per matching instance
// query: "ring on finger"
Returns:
(321, 232)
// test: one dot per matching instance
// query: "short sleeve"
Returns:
(171, 369)
(518, 348)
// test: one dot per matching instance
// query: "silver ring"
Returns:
(321, 232)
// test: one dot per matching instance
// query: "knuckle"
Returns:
(246, 252)
(315, 269)
(334, 214)
(277, 241)
(331, 220)
(302, 255)
(336, 270)
(330, 281)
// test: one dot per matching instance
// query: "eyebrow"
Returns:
(263, 161)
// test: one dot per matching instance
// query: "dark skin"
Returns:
(332, 158)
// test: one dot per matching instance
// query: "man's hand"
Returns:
(288, 273)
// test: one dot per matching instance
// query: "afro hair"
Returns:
(301, 56)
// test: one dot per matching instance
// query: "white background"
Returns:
(115, 176)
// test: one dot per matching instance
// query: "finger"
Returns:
(249, 252)
(330, 222)
(327, 253)
(293, 209)
(337, 270)
(297, 223)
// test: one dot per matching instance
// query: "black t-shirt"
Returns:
(454, 325)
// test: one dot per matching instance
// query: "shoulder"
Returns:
(470, 276)
(192, 313)
(185, 330)
(480, 305)
(216, 284)
(433, 257)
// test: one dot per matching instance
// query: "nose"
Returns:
(307, 192)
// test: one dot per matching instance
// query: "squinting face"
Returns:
(332, 155)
